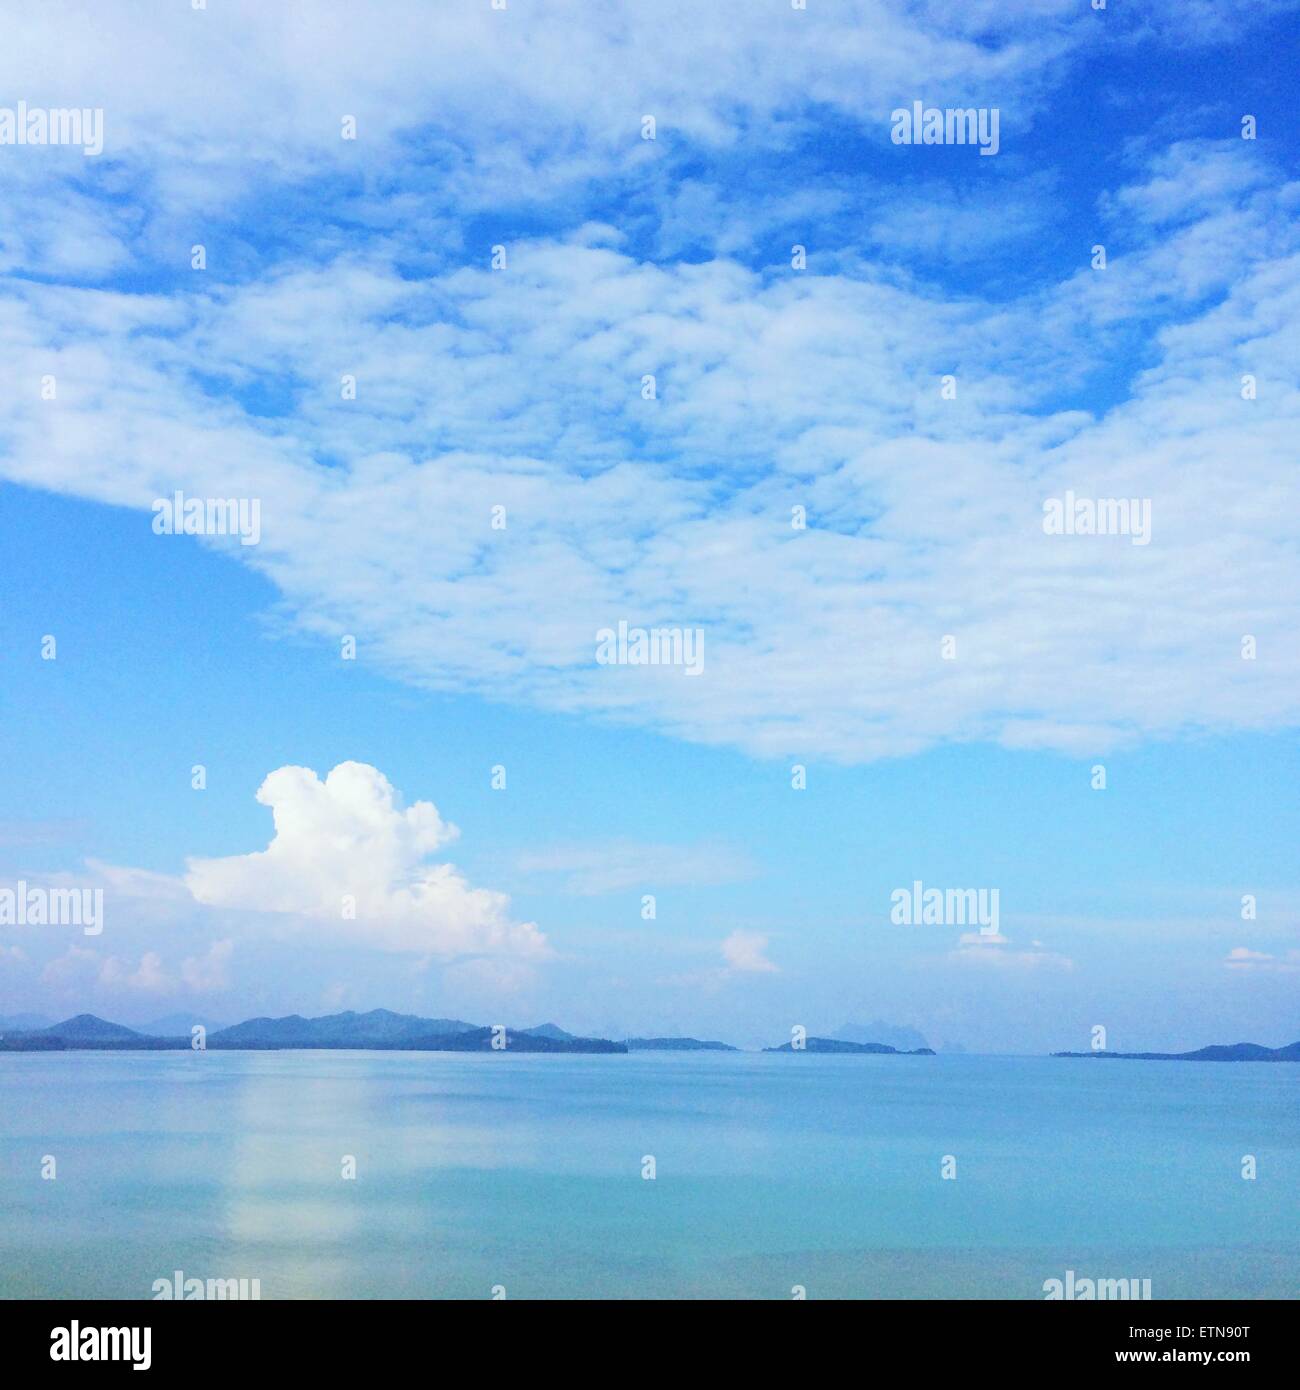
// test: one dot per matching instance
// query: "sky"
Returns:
(502, 372)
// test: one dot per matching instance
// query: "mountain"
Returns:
(901, 1039)
(264, 1032)
(86, 1033)
(548, 1030)
(677, 1045)
(88, 1028)
(384, 1030)
(1216, 1052)
(839, 1045)
(378, 1028)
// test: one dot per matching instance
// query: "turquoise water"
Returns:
(483, 1170)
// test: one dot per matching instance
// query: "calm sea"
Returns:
(525, 1172)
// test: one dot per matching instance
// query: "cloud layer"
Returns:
(521, 390)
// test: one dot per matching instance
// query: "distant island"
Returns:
(382, 1030)
(378, 1030)
(841, 1045)
(1222, 1052)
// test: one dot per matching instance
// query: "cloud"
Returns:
(210, 972)
(1243, 958)
(149, 977)
(522, 390)
(505, 104)
(744, 952)
(345, 846)
(973, 948)
(75, 970)
(85, 971)
(140, 885)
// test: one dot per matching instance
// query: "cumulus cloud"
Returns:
(348, 857)
(148, 977)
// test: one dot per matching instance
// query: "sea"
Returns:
(324, 1174)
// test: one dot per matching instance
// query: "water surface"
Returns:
(525, 1172)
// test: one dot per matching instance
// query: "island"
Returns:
(378, 1030)
(840, 1045)
(1219, 1052)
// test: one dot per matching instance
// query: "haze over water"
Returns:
(479, 1170)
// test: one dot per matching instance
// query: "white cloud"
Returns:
(149, 977)
(973, 948)
(521, 389)
(924, 516)
(209, 972)
(1243, 958)
(1244, 955)
(75, 970)
(542, 94)
(344, 844)
(745, 953)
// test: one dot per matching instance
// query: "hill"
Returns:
(378, 1028)
(88, 1028)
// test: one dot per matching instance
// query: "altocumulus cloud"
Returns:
(520, 389)
(349, 859)
(925, 517)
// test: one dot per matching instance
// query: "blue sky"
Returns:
(776, 388)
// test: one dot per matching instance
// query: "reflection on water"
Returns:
(525, 1171)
